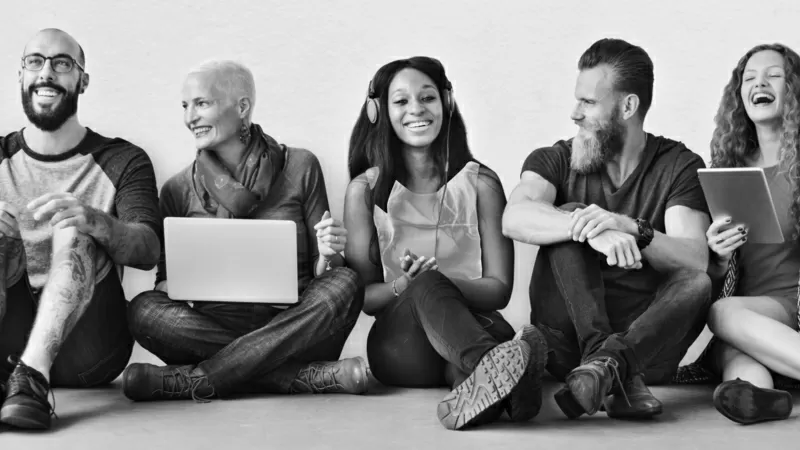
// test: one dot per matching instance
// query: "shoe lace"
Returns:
(22, 379)
(320, 377)
(613, 366)
(179, 383)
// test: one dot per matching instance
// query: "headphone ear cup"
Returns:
(373, 108)
(449, 101)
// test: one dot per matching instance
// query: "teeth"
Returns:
(46, 92)
(201, 130)
(419, 124)
(763, 96)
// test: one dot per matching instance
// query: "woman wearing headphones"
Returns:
(424, 221)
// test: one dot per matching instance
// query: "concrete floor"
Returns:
(387, 419)
(384, 419)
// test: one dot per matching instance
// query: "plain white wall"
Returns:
(512, 64)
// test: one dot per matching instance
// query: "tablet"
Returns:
(742, 193)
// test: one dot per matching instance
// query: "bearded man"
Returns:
(619, 287)
(75, 208)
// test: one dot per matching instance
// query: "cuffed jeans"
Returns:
(646, 334)
(427, 332)
(94, 353)
(246, 347)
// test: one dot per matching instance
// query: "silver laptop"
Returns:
(231, 260)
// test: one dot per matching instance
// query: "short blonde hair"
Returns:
(233, 78)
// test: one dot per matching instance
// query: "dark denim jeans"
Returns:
(428, 332)
(94, 353)
(647, 334)
(251, 348)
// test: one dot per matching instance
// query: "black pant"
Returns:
(246, 347)
(94, 353)
(647, 334)
(429, 331)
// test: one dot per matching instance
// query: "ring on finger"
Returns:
(336, 239)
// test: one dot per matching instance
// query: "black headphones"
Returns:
(374, 106)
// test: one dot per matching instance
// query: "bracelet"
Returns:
(328, 265)
(394, 288)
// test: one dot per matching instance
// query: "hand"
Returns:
(620, 249)
(65, 210)
(9, 225)
(724, 242)
(162, 286)
(414, 265)
(589, 222)
(331, 236)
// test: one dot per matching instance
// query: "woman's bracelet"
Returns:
(394, 288)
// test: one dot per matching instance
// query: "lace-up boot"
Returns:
(146, 382)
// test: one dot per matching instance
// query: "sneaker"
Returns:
(348, 376)
(745, 403)
(496, 375)
(525, 400)
(26, 404)
(147, 382)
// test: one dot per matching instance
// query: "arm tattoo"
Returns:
(69, 289)
(129, 244)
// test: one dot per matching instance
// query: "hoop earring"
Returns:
(244, 133)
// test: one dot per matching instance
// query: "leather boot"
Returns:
(348, 376)
(587, 387)
(637, 402)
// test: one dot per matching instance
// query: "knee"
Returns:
(144, 310)
(695, 285)
(344, 290)
(720, 311)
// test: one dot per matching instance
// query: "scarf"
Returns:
(237, 195)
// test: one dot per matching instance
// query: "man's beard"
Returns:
(589, 154)
(51, 118)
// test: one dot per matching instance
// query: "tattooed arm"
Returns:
(129, 244)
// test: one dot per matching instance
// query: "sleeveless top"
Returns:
(410, 222)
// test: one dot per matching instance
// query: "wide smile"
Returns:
(201, 131)
(418, 126)
(762, 99)
(46, 95)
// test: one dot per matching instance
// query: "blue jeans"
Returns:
(581, 321)
(246, 347)
(94, 353)
(429, 332)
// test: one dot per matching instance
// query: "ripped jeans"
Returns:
(429, 338)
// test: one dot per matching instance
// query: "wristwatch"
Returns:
(645, 233)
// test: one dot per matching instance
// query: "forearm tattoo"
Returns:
(129, 244)
(69, 289)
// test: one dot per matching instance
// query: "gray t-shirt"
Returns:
(772, 269)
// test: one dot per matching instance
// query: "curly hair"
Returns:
(734, 141)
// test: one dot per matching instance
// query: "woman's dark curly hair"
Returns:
(735, 142)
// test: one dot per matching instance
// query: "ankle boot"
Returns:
(636, 402)
(348, 376)
(587, 387)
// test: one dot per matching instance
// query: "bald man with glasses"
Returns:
(75, 208)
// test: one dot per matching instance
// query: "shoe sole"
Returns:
(568, 403)
(526, 397)
(364, 376)
(639, 414)
(21, 416)
(496, 375)
(746, 404)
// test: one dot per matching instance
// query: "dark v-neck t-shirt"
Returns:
(666, 176)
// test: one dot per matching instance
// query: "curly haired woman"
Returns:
(755, 321)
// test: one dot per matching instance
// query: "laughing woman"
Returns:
(755, 324)
(425, 236)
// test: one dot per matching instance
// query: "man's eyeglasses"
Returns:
(59, 63)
